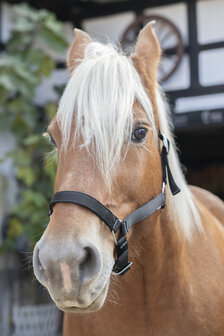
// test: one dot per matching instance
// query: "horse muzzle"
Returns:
(72, 272)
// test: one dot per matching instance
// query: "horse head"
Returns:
(106, 137)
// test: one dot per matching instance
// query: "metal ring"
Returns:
(123, 270)
(163, 187)
(165, 143)
(115, 239)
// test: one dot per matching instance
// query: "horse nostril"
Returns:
(90, 264)
(86, 260)
(83, 264)
(38, 267)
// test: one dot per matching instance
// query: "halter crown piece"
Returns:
(122, 265)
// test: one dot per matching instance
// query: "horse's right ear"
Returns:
(147, 50)
(77, 49)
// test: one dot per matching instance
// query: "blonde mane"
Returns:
(184, 211)
(106, 75)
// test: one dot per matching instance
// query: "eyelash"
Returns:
(52, 141)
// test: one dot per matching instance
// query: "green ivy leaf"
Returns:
(23, 25)
(40, 62)
(52, 40)
(3, 95)
(24, 64)
(7, 83)
(15, 228)
(20, 157)
(47, 66)
(34, 139)
(27, 175)
(25, 11)
(32, 197)
(51, 109)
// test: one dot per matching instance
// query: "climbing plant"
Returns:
(24, 64)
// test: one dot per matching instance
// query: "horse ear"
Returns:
(77, 49)
(147, 49)
(146, 60)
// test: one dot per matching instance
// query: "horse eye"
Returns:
(52, 141)
(139, 134)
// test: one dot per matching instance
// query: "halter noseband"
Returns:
(122, 265)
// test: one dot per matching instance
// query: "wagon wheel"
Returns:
(168, 36)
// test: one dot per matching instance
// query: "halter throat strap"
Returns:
(122, 265)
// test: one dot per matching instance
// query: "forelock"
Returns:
(100, 96)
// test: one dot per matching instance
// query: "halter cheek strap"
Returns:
(122, 265)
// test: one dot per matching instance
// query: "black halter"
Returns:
(122, 265)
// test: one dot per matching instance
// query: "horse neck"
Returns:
(169, 244)
(160, 259)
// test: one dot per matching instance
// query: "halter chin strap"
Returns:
(122, 265)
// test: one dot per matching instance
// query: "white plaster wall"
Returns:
(181, 77)
(109, 28)
(177, 13)
(210, 16)
(189, 104)
(211, 67)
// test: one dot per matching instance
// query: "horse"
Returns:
(117, 160)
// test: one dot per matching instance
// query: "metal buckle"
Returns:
(163, 187)
(124, 270)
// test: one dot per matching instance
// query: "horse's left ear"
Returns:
(77, 49)
(147, 50)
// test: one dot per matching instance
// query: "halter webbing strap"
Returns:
(122, 265)
(165, 165)
(88, 202)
